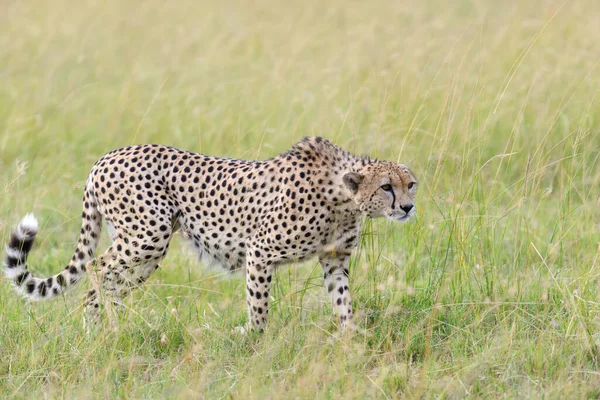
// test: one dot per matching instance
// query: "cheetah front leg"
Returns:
(258, 284)
(335, 273)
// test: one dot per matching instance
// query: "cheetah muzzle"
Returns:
(257, 215)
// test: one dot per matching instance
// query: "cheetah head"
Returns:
(383, 189)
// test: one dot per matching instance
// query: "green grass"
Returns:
(491, 292)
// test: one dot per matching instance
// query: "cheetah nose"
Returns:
(407, 207)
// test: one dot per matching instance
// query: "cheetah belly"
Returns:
(223, 258)
(217, 252)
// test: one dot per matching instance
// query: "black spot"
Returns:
(24, 245)
(12, 262)
(42, 288)
(21, 278)
(61, 280)
(30, 287)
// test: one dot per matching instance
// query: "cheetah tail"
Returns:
(20, 244)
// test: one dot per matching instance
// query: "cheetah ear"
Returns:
(352, 180)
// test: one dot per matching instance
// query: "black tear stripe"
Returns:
(393, 199)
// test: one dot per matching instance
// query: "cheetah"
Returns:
(252, 215)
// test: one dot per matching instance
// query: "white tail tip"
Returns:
(29, 222)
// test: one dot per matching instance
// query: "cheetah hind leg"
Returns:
(113, 276)
(115, 295)
(95, 270)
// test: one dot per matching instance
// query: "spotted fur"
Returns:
(251, 215)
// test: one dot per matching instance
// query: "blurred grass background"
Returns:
(491, 292)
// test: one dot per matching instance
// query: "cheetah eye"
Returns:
(411, 185)
(387, 187)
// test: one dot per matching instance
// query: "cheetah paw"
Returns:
(240, 330)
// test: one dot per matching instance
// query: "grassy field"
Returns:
(492, 291)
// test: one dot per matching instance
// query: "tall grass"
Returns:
(491, 292)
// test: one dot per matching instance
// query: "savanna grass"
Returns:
(491, 292)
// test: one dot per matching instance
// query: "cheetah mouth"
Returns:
(400, 217)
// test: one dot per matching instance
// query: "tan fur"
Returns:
(242, 215)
